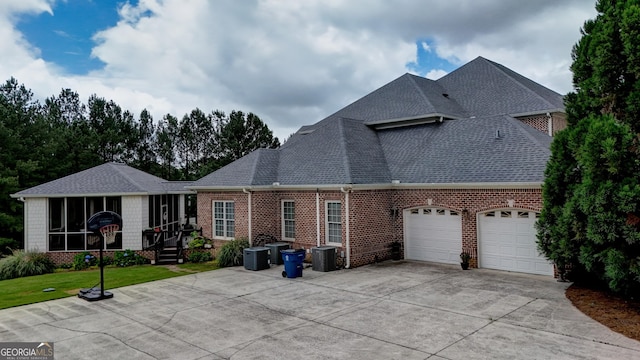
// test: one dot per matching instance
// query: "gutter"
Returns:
(248, 192)
(380, 186)
(346, 210)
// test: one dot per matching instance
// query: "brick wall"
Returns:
(541, 122)
(376, 216)
(469, 203)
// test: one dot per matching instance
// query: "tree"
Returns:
(166, 139)
(240, 134)
(591, 213)
(145, 155)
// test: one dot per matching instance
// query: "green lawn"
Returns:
(28, 290)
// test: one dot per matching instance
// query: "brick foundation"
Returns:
(66, 257)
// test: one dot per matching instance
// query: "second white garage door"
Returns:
(507, 241)
(433, 234)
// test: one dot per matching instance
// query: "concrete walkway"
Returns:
(392, 310)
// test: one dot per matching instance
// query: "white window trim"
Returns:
(282, 219)
(326, 222)
(224, 213)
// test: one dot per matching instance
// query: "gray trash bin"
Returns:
(324, 258)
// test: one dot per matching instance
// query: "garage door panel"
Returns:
(507, 241)
(433, 235)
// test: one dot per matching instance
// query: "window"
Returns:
(67, 222)
(334, 222)
(288, 220)
(224, 219)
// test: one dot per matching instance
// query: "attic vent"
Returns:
(445, 95)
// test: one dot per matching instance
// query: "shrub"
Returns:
(65, 266)
(21, 264)
(7, 246)
(84, 260)
(128, 258)
(198, 241)
(230, 254)
(200, 256)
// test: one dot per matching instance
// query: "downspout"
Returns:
(346, 210)
(248, 192)
(318, 217)
(550, 124)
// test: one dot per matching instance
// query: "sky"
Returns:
(291, 62)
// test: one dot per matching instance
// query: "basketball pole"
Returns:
(102, 243)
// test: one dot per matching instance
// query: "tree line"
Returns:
(43, 141)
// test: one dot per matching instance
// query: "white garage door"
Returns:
(433, 234)
(508, 242)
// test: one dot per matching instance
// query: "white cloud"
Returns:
(435, 74)
(293, 62)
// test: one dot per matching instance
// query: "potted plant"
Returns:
(464, 260)
(395, 250)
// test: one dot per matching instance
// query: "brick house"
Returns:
(55, 212)
(440, 166)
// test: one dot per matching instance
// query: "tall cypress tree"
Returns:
(591, 213)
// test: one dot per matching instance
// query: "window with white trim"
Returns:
(333, 222)
(224, 224)
(288, 220)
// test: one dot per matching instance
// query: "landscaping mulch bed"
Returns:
(618, 314)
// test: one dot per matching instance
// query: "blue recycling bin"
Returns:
(293, 260)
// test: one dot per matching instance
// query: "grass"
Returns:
(28, 290)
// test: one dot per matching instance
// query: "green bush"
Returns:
(7, 246)
(230, 254)
(200, 256)
(128, 258)
(21, 264)
(84, 260)
(197, 243)
(65, 266)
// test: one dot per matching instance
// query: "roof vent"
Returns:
(445, 95)
(498, 134)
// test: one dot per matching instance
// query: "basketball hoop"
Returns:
(93, 239)
(109, 233)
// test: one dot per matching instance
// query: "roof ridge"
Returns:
(500, 67)
(118, 167)
(254, 166)
(343, 144)
(415, 84)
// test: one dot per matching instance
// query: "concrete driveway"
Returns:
(392, 310)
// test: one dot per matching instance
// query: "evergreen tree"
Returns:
(591, 194)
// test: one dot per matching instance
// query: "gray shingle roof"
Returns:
(109, 178)
(342, 149)
(485, 88)
(465, 151)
